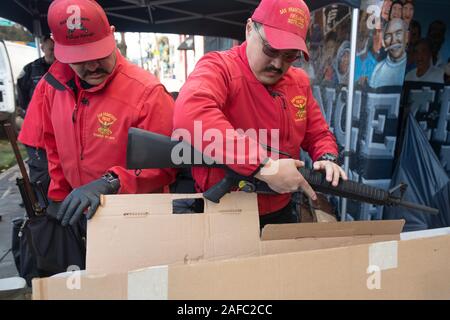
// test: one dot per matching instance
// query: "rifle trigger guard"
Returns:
(246, 186)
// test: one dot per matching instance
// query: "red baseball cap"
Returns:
(285, 23)
(81, 30)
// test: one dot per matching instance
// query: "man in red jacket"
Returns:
(253, 86)
(82, 109)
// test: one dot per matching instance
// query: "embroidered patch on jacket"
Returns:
(106, 121)
(299, 102)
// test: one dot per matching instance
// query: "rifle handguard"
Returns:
(347, 189)
(317, 180)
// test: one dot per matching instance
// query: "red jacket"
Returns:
(85, 134)
(224, 94)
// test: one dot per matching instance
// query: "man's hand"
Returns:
(283, 176)
(82, 198)
(53, 208)
(332, 170)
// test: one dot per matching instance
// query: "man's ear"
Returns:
(248, 28)
(113, 29)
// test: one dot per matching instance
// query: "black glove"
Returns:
(86, 197)
(53, 208)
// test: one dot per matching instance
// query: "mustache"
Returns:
(273, 69)
(96, 71)
(394, 46)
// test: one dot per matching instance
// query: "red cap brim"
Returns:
(85, 52)
(283, 40)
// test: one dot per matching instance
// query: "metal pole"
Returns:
(350, 94)
(185, 60)
(37, 41)
(140, 51)
(37, 31)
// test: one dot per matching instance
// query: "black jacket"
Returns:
(28, 79)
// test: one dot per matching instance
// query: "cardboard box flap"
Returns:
(120, 239)
(142, 205)
(331, 229)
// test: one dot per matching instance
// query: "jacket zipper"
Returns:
(277, 95)
(81, 135)
(74, 120)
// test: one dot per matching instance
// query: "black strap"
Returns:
(51, 80)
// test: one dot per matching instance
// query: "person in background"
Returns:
(425, 71)
(436, 35)
(33, 72)
(367, 51)
(254, 86)
(82, 109)
(408, 11)
(391, 71)
(415, 32)
(329, 54)
(385, 11)
(26, 84)
(396, 11)
(342, 63)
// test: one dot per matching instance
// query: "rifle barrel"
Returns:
(416, 206)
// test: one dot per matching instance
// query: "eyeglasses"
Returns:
(289, 57)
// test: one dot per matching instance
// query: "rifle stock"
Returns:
(150, 150)
(146, 150)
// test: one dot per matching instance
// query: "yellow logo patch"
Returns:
(299, 102)
(106, 121)
(296, 16)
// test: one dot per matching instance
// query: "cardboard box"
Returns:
(219, 255)
(130, 232)
(407, 269)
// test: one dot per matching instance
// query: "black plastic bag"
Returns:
(42, 247)
(428, 183)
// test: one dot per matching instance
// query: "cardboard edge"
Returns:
(142, 205)
(331, 229)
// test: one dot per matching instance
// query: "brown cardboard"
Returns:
(419, 269)
(101, 286)
(306, 244)
(332, 229)
(313, 236)
(129, 232)
(422, 272)
(322, 216)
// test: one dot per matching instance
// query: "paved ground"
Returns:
(9, 209)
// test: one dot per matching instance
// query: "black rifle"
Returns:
(27, 192)
(150, 150)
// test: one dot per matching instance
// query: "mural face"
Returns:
(408, 12)
(395, 39)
